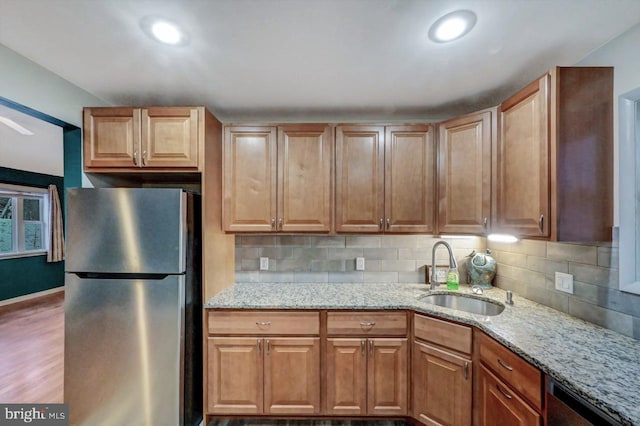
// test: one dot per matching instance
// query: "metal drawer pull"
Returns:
(466, 370)
(268, 347)
(280, 221)
(485, 223)
(371, 347)
(259, 346)
(363, 351)
(503, 392)
(505, 366)
(263, 323)
(388, 223)
(273, 223)
(381, 223)
(144, 157)
(135, 158)
(367, 323)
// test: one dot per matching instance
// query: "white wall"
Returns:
(29, 84)
(42, 152)
(622, 54)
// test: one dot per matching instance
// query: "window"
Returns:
(23, 221)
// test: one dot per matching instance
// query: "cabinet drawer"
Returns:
(264, 323)
(443, 333)
(367, 323)
(516, 372)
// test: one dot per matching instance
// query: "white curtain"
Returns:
(56, 233)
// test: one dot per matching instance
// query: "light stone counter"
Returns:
(600, 365)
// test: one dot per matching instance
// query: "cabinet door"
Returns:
(111, 137)
(409, 179)
(522, 205)
(169, 137)
(499, 405)
(441, 386)
(346, 372)
(234, 375)
(359, 178)
(292, 376)
(305, 154)
(249, 179)
(464, 174)
(387, 377)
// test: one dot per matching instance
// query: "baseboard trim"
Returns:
(15, 301)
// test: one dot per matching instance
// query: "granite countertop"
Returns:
(600, 365)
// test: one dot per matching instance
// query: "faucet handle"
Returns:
(509, 300)
(476, 289)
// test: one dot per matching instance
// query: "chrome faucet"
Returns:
(452, 261)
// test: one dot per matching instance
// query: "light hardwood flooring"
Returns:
(32, 351)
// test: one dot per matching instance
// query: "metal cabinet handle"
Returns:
(135, 157)
(263, 323)
(280, 221)
(388, 223)
(485, 223)
(367, 323)
(503, 392)
(505, 366)
(144, 157)
(273, 223)
(466, 370)
(381, 223)
(363, 351)
(259, 346)
(541, 224)
(371, 347)
(268, 347)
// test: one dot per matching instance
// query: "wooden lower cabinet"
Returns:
(441, 386)
(366, 376)
(499, 405)
(263, 375)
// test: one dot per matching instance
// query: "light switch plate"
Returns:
(564, 282)
(264, 263)
(359, 263)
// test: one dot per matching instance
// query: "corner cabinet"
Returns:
(385, 179)
(554, 157)
(143, 139)
(464, 173)
(442, 372)
(277, 179)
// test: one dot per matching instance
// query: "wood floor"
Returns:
(32, 351)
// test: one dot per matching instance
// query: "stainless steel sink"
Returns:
(464, 303)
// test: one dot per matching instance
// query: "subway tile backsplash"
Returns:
(527, 268)
(388, 258)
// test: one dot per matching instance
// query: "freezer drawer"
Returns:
(124, 349)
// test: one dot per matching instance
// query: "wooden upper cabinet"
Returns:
(305, 157)
(160, 138)
(409, 179)
(111, 137)
(385, 179)
(359, 178)
(249, 179)
(523, 162)
(169, 137)
(464, 173)
(554, 157)
(278, 179)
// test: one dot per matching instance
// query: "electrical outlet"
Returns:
(359, 263)
(264, 263)
(564, 282)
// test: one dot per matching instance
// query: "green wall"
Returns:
(27, 275)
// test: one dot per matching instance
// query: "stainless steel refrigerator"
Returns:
(133, 330)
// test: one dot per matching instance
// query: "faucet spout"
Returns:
(452, 261)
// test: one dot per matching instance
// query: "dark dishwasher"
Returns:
(565, 408)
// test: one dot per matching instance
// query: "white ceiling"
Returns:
(310, 60)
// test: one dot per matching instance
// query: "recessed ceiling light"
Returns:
(452, 26)
(164, 31)
(15, 126)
